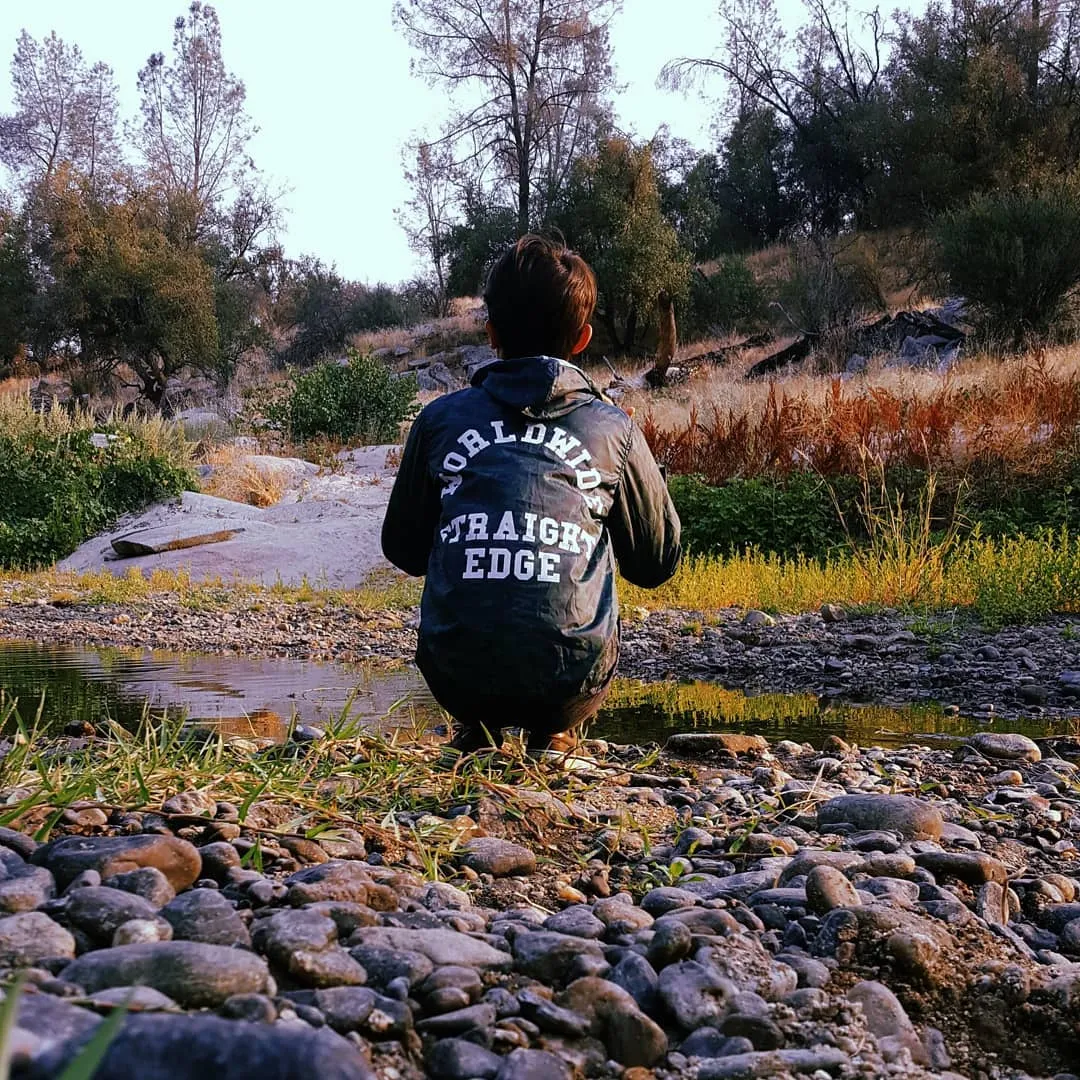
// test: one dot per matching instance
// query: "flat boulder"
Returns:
(191, 973)
(911, 817)
(441, 947)
(706, 743)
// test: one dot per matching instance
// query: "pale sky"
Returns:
(328, 85)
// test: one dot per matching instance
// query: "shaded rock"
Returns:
(911, 817)
(30, 937)
(149, 883)
(556, 958)
(161, 1047)
(613, 1016)
(100, 911)
(974, 867)
(178, 860)
(577, 921)
(459, 1059)
(459, 1021)
(304, 945)
(205, 915)
(356, 1008)
(533, 1065)
(694, 995)
(887, 1020)
(193, 974)
(383, 965)
(638, 978)
(500, 858)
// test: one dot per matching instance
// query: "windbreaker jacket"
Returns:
(516, 497)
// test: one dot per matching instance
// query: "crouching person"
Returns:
(517, 497)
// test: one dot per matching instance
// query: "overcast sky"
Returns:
(328, 85)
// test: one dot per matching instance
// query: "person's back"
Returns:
(515, 497)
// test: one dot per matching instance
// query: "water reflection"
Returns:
(261, 699)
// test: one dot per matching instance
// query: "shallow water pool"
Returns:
(261, 698)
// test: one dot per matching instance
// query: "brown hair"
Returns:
(539, 296)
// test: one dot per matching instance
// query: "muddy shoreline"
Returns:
(890, 658)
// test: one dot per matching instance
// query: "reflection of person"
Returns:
(516, 497)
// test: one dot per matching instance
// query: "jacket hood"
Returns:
(538, 386)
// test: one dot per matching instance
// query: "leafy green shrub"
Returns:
(358, 400)
(57, 488)
(789, 517)
(723, 300)
(1016, 257)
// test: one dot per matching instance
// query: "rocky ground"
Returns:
(731, 910)
(889, 658)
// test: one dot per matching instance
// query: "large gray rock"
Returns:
(439, 946)
(1006, 746)
(178, 860)
(30, 937)
(533, 1065)
(162, 1047)
(911, 817)
(192, 974)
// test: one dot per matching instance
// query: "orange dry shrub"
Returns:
(1023, 423)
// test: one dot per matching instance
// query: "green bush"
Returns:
(57, 489)
(1016, 257)
(358, 400)
(801, 514)
(795, 516)
(728, 298)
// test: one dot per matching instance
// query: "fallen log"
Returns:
(797, 351)
(130, 547)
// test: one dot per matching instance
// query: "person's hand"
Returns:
(629, 410)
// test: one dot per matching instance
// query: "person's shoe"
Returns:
(564, 749)
(465, 742)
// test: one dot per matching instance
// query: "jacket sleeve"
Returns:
(408, 529)
(644, 527)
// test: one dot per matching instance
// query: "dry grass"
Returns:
(464, 326)
(237, 478)
(1022, 411)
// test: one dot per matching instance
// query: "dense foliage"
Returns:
(1016, 256)
(357, 400)
(61, 487)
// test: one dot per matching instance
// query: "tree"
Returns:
(127, 291)
(426, 218)
(195, 129)
(612, 216)
(826, 86)
(537, 71)
(65, 114)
